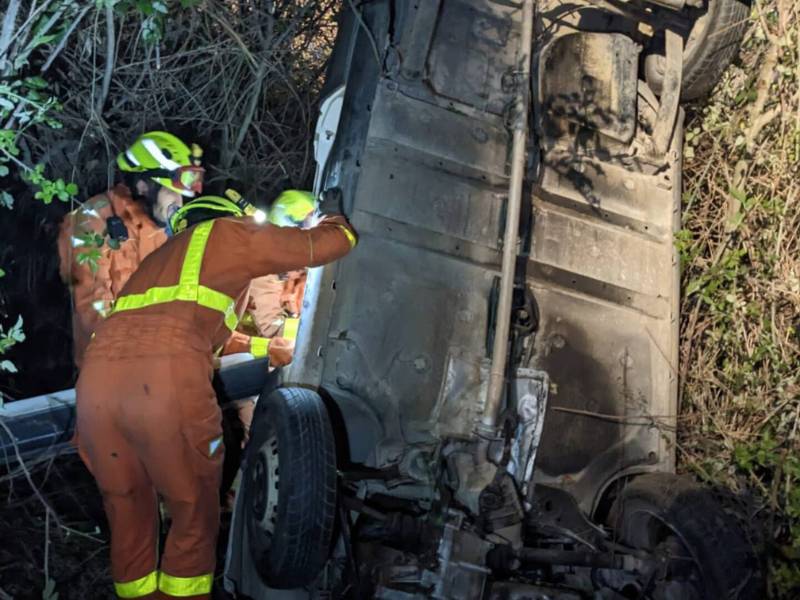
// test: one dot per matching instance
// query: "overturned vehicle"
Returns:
(483, 398)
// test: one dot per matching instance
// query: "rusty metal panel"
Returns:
(604, 272)
(473, 51)
(590, 80)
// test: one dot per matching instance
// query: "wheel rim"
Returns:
(265, 482)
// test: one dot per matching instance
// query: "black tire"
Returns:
(668, 513)
(290, 487)
(710, 49)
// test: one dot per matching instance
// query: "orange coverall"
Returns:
(148, 421)
(93, 293)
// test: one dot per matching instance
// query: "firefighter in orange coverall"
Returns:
(274, 303)
(148, 421)
(158, 170)
(273, 308)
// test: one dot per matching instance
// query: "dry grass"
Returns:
(740, 351)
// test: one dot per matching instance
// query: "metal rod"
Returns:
(577, 558)
(520, 133)
(671, 4)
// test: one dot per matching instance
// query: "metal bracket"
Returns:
(670, 94)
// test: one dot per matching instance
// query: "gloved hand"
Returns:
(331, 202)
(341, 222)
(280, 351)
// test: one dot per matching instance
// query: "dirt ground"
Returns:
(70, 548)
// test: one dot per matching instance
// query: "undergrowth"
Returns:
(740, 346)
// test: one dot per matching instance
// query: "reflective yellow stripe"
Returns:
(290, 327)
(350, 237)
(259, 346)
(138, 588)
(188, 288)
(218, 301)
(180, 587)
(190, 272)
(155, 295)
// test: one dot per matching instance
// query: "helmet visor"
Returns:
(189, 178)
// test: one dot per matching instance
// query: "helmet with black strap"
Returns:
(205, 208)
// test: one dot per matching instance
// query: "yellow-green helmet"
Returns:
(211, 207)
(292, 208)
(165, 159)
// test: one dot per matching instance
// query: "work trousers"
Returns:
(150, 427)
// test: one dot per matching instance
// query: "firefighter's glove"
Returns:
(280, 351)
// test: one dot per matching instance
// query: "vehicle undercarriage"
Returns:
(559, 484)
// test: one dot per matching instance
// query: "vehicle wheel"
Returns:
(713, 43)
(675, 518)
(290, 487)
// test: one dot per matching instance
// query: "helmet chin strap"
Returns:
(171, 210)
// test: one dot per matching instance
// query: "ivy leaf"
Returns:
(6, 200)
(72, 189)
(16, 333)
(9, 366)
(90, 258)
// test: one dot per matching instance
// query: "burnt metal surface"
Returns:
(395, 334)
(423, 162)
(399, 327)
(603, 268)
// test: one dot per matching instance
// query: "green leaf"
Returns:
(9, 366)
(738, 194)
(2, 273)
(16, 333)
(42, 39)
(72, 189)
(3, 170)
(21, 61)
(36, 82)
(6, 200)
(90, 258)
(693, 286)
